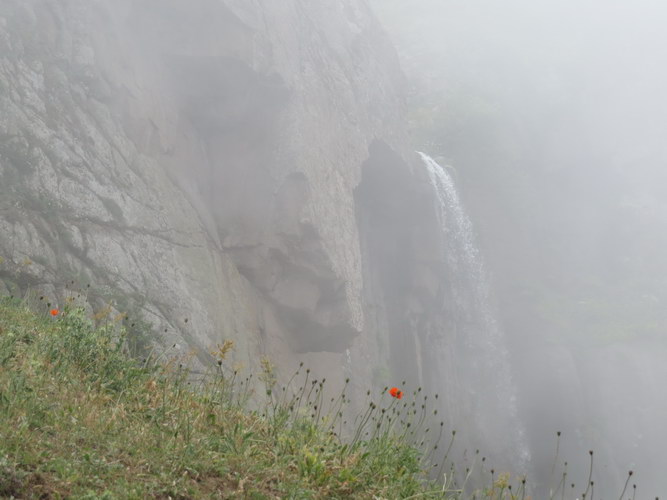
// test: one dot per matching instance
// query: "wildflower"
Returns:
(396, 393)
(54, 312)
(503, 481)
(220, 352)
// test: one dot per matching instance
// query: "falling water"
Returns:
(475, 341)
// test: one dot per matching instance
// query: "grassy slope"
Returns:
(79, 418)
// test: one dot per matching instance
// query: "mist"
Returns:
(459, 197)
(553, 116)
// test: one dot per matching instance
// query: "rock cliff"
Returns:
(194, 164)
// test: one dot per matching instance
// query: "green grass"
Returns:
(79, 418)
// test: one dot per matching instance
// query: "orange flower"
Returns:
(54, 312)
(396, 393)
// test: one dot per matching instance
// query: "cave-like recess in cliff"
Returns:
(399, 246)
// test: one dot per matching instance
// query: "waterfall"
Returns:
(473, 341)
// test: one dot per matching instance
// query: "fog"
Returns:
(553, 116)
(526, 281)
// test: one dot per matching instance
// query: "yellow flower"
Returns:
(220, 351)
(502, 481)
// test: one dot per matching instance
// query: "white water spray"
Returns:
(476, 344)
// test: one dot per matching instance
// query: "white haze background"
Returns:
(554, 116)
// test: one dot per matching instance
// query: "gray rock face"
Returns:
(195, 160)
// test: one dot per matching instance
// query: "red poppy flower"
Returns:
(396, 393)
(54, 312)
